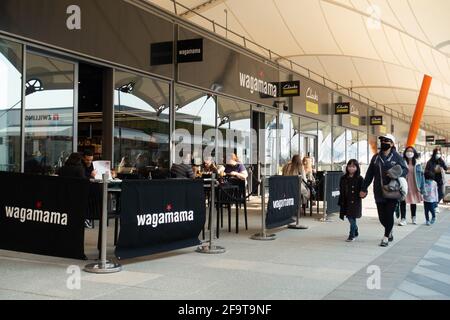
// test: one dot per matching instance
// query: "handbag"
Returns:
(387, 192)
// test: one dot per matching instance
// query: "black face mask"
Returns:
(385, 146)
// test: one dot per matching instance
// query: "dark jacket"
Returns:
(88, 170)
(431, 166)
(182, 171)
(349, 199)
(72, 172)
(386, 163)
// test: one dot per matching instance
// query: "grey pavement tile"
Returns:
(401, 295)
(418, 290)
(429, 283)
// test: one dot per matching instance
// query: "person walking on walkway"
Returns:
(388, 158)
(350, 199)
(431, 197)
(437, 165)
(416, 183)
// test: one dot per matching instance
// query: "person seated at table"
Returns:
(73, 167)
(88, 159)
(183, 169)
(235, 169)
(208, 166)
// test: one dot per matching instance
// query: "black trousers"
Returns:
(403, 209)
(386, 215)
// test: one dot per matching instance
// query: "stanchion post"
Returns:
(263, 235)
(297, 225)
(325, 215)
(210, 248)
(104, 266)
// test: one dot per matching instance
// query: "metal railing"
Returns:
(280, 61)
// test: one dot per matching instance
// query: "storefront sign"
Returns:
(43, 215)
(312, 101)
(383, 129)
(159, 216)
(161, 53)
(376, 121)
(440, 142)
(430, 138)
(254, 84)
(342, 108)
(355, 121)
(190, 50)
(290, 89)
(283, 201)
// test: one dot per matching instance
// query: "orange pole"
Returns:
(418, 113)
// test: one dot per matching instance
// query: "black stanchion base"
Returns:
(263, 237)
(207, 249)
(298, 227)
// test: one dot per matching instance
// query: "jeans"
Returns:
(353, 227)
(430, 207)
(403, 209)
(386, 215)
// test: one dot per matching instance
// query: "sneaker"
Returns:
(350, 239)
(433, 221)
(428, 223)
(402, 223)
(391, 237)
(384, 244)
(436, 210)
(356, 234)
(414, 220)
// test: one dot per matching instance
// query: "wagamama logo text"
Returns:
(279, 204)
(256, 85)
(36, 215)
(156, 219)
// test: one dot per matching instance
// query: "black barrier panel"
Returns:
(43, 215)
(332, 193)
(283, 201)
(159, 216)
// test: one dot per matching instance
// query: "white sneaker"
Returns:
(414, 220)
(402, 223)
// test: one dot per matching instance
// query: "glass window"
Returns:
(10, 105)
(324, 143)
(234, 123)
(141, 125)
(49, 108)
(373, 146)
(352, 145)
(195, 116)
(289, 138)
(339, 148)
(363, 148)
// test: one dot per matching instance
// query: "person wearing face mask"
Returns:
(437, 165)
(381, 163)
(350, 200)
(416, 182)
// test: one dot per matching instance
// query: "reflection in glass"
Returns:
(352, 145)
(195, 115)
(10, 105)
(363, 147)
(234, 123)
(271, 144)
(142, 128)
(339, 148)
(325, 143)
(49, 107)
(289, 138)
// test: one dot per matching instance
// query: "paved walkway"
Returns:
(300, 264)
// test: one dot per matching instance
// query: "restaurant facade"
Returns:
(121, 77)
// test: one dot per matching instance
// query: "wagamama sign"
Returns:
(257, 85)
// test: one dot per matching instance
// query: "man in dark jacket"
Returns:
(183, 170)
(387, 158)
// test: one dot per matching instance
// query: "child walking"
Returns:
(349, 199)
(430, 197)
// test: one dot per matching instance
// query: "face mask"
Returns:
(438, 156)
(410, 155)
(385, 146)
